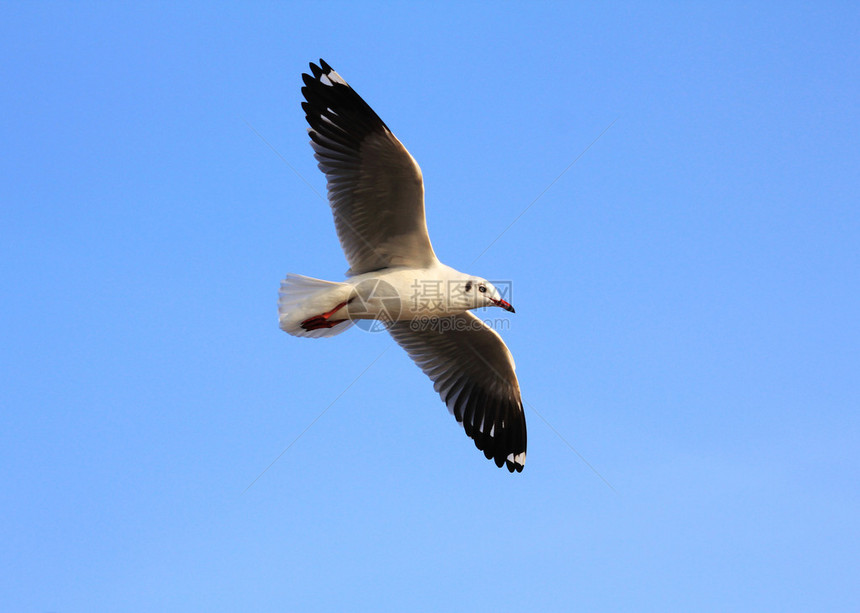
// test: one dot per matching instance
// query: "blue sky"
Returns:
(687, 298)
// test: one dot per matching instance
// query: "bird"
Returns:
(395, 281)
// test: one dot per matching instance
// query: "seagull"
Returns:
(376, 193)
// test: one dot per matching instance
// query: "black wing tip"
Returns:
(514, 461)
(508, 447)
(518, 464)
(503, 462)
(317, 71)
(501, 452)
(332, 107)
(320, 70)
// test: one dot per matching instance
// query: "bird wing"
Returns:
(473, 371)
(375, 187)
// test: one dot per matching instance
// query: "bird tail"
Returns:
(303, 297)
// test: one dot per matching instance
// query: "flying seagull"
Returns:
(376, 193)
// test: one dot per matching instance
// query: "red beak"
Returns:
(504, 304)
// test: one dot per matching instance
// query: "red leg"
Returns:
(322, 321)
(315, 324)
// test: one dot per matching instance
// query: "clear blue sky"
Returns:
(687, 299)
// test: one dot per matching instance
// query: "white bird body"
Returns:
(376, 192)
(421, 294)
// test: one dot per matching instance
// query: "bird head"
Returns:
(477, 293)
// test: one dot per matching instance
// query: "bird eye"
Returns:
(482, 288)
(468, 286)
